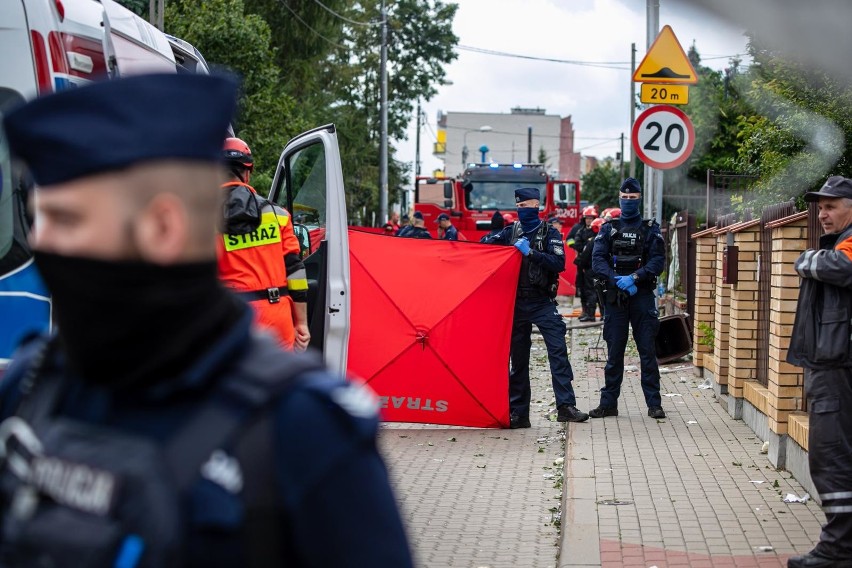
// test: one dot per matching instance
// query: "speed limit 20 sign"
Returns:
(663, 137)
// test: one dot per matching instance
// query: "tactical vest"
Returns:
(535, 280)
(627, 246)
(81, 495)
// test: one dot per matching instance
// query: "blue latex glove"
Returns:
(523, 245)
(624, 282)
(632, 289)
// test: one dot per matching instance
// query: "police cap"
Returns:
(526, 193)
(113, 124)
(630, 185)
(418, 215)
(835, 186)
(443, 217)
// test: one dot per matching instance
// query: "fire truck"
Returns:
(472, 198)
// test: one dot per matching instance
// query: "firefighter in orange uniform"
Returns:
(259, 254)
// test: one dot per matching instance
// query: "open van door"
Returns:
(309, 184)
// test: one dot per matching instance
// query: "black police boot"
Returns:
(585, 317)
(656, 412)
(567, 413)
(814, 559)
(602, 411)
(516, 422)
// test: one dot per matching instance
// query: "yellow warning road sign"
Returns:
(666, 62)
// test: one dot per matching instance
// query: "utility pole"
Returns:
(621, 162)
(653, 185)
(529, 144)
(632, 108)
(416, 154)
(383, 143)
(155, 13)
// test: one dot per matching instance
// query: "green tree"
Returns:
(800, 128)
(600, 186)
(229, 37)
(330, 59)
(139, 7)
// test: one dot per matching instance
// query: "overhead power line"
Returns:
(304, 23)
(624, 65)
(344, 18)
(620, 65)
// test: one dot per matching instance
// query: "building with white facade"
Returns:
(517, 137)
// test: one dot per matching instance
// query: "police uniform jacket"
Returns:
(551, 257)
(451, 234)
(416, 233)
(324, 447)
(821, 331)
(653, 252)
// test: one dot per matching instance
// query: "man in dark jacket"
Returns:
(446, 229)
(497, 224)
(417, 228)
(821, 344)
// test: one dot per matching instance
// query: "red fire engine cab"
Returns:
(472, 198)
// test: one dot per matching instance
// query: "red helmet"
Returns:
(237, 153)
(508, 218)
(596, 225)
(590, 211)
(615, 212)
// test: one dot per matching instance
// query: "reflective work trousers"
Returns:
(829, 393)
(541, 312)
(640, 313)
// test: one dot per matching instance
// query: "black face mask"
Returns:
(127, 323)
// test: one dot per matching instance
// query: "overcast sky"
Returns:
(594, 31)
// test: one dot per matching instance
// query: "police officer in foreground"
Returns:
(543, 260)
(628, 256)
(821, 344)
(157, 428)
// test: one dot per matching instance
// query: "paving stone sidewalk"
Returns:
(633, 491)
(692, 490)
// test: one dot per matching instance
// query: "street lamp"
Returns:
(464, 145)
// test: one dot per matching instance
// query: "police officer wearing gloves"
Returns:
(157, 428)
(543, 260)
(629, 255)
(821, 343)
